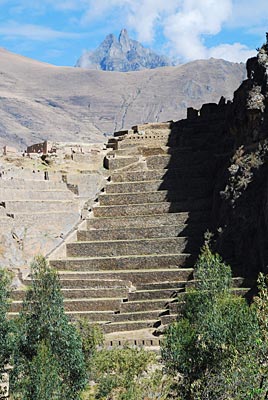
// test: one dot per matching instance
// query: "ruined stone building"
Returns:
(130, 261)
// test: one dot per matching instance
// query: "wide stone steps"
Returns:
(150, 151)
(155, 185)
(113, 163)
(135, 276)
(32, 184)
(23, 194)
(82, 304)
(152, 208)
(146, 305)
(92, 316)
(154, 294)
(142, 141)
(178, 157)
(171, 161)
(56, 216)
(90, 283)
(129, 266)
(83, 293)
(175, 174)
(176, 285)
(128, 326)
(145, 221)
(134, 262)
(168, 319)
(139, 315)
(153, 197)
(40, 206)
(139, 233)
(133, 247)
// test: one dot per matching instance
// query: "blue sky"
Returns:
(58, 31)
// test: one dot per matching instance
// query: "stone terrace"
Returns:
(129, 264)
(41, 203)
(35, 214)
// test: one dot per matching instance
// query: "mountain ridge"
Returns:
(40, 101)
(122, 55)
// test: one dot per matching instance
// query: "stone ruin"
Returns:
(129, 264)
(42, 200)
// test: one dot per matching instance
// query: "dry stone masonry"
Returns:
(129, 264)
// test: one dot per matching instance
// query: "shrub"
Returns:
(43, 330)
(6, 339)
(208, 350)
(92, 337)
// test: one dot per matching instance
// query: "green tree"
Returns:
(118, 374)
(6, 342)
(43, 380)
(43, 330)
(212, 349)
(92, 337)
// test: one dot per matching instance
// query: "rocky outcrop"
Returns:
(240, 210)
(122, 54)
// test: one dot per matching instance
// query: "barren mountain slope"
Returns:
(40, 101)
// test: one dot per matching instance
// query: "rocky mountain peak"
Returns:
(123, 54)
(124, 41)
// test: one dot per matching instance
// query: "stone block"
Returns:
(156, 196)
(132, 247)
(35, 206)
(140, 262)
(144, 305)
(152, 208)
(146, 221)
(113, 163)
(128, 326)
(136, 277)
(154, 294)
(139, 233)
(108, 304)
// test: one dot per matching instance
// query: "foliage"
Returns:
(43, 376)
(6, 340)
(127, 374)
(118, 368)
(212, 350)
(92, 337)
(241, 171)
(43, 329)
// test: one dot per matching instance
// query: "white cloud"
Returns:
(185, 24)
(236, 52)
(145, 15)
(186, 28)
(142, 16)
(34, 32)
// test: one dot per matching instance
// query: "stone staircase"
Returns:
(133, 258)
(131, 261)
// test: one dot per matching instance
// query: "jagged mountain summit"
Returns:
(123, 55)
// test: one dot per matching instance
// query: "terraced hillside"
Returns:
(40, 203)
(129, 264)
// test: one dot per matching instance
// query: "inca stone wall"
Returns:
(240, 206)
(129, 264)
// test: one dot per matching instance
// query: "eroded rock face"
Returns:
(240, 209)
(122, 54)
(249, 112)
